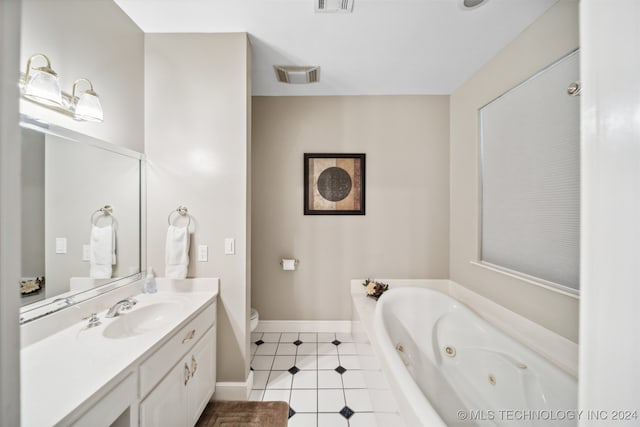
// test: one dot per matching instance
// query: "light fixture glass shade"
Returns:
(42, 86)
(88, 107)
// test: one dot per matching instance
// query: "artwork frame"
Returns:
(334, 183)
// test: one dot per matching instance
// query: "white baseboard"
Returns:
(234, 390)
(341, 326)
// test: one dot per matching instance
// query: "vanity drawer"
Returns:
(159, 363)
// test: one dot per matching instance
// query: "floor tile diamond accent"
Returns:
(322, 375)
(293, 370)
(346, 412)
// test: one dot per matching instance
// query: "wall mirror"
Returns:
(530, 165)
(81, 217)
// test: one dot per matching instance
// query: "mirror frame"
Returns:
(40, 309)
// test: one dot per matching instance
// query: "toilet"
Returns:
(254, 319)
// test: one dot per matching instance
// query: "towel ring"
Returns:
(106, 211)
(182, 211)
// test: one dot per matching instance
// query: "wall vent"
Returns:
(343, 6)
(297, 74)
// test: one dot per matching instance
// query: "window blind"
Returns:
(530, 161)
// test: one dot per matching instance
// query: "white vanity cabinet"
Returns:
(201, 385)
(180, 377)
(151, 366)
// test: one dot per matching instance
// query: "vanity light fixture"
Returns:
(87, 105)
(40, 85)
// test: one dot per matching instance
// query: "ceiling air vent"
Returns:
(297, 74)
(472, 4)
(344, 6)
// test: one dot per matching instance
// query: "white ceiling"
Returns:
(384, 47)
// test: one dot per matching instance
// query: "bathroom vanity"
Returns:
(152, 365)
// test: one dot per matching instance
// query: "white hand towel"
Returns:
(101, 252)
(177, 252)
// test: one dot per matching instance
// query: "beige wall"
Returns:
(549, 38)
(404, 233)
(96, 40)
(198, 152)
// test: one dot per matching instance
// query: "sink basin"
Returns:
(142, 320)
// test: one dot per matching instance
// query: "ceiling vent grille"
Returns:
(472, 4)
(343, 6)
(297, 74)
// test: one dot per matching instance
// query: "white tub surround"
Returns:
(421, 327)
(125, 368)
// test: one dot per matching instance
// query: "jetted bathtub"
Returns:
(448, 366)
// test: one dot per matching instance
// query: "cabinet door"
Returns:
(202, 362)
(166, 405)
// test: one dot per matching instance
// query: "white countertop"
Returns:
(62, 371)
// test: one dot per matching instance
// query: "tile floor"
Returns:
(328, 379)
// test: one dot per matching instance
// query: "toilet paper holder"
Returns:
(284, 261)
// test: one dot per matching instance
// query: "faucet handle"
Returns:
(129, 303)
(94, 320)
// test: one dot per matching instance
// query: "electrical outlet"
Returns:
(86, 252)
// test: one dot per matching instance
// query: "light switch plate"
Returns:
(86, 252)
(203, 253)
(229, 246)
(61, 245)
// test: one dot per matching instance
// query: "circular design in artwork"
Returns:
(334, 184)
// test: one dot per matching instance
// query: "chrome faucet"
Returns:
(117, 308)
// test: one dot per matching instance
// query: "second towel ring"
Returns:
(106, 210)
(181, 211)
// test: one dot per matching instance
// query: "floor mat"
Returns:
(244, 414)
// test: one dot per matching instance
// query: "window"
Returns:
(530, 155)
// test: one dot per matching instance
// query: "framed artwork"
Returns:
(334, 184)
